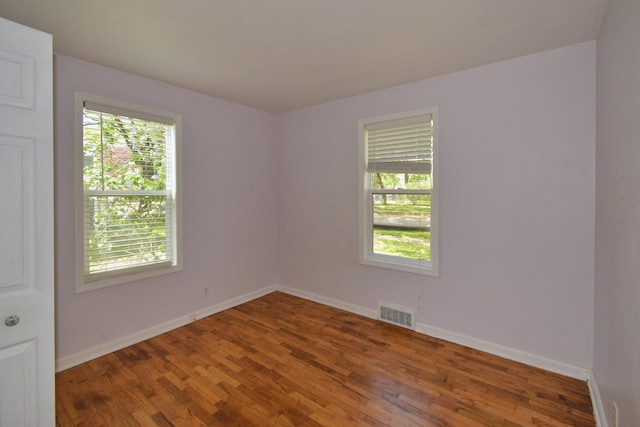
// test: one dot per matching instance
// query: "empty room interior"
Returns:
(299, 262)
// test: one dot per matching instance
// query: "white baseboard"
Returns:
(519, 356)
(508, 353)
(235, 301)
(596, 401)
(561, 368)
(122, 342)
(499, 350)
(366, 312)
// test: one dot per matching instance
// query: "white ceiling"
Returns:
(280, 55)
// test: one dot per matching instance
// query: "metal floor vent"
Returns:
(396, 315)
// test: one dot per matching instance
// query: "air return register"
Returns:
(395, 315)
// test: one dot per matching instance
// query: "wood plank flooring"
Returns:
(285, 361)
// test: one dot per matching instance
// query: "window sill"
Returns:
(82, 286)
(424, 268)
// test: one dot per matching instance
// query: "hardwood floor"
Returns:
(285, 361)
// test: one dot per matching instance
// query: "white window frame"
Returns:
(134, 273)
(367, 256)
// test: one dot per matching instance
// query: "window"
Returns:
(127, 201)
(399, 203)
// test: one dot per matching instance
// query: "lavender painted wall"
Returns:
(617, 253)
(230, 236)
(274, 200)
(517, 165)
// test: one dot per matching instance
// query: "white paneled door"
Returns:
(27, 365)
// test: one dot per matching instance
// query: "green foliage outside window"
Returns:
(125, 185)
(401, 222)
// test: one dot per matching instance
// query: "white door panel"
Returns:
(17, 362)
(27, 360)
(16, 186)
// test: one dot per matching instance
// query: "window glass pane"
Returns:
(401, 225)
(122, 153)
(124, 231)
(129, 210)
(405, 181)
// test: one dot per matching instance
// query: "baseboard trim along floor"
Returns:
(492, 348)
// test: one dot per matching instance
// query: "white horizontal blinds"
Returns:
(400, 146)
(129, 204)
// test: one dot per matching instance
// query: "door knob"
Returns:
(12, 320)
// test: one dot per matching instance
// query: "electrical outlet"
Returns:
(205, 291)
(615, 414)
